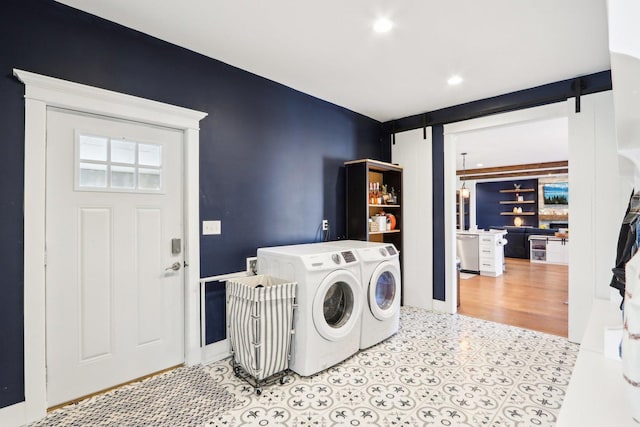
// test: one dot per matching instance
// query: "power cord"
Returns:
(326, 234)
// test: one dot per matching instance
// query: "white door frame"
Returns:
(42, 92)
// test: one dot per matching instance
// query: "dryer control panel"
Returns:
(348, 256)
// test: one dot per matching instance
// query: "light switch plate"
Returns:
(211, 227)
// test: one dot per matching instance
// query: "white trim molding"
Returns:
(42, 92)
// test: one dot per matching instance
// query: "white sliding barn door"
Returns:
(413, 153)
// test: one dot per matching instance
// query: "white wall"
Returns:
(413, 153)
(624, 48)
(596, 206)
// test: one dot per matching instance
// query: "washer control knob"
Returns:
(336, 258)
(383, 251)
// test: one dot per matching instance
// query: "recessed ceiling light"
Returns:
(479, 164)
(382, 25)
(455, 80)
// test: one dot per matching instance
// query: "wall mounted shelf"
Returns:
(522, 190)
(531, 200)
(517, 214)
(496, 202)
(515, 202)
(557, 217)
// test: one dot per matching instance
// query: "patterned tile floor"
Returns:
(439, 370)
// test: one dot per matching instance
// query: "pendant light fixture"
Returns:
(464, 191)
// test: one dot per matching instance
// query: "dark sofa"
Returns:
(518, 238)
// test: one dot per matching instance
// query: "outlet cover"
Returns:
(252, 265)
(211, 227)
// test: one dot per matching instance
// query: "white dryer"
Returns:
(329, 299)
(381, 280)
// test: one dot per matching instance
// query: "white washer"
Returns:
(329, 298)
(381, 283)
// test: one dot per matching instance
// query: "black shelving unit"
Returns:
(359, 174)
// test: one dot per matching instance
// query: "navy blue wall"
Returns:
(488, 207)
(270, 157)
(437, 153)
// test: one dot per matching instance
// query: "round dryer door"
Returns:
(337, 305)
(384, 291)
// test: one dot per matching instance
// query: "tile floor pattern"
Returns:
(440, 370)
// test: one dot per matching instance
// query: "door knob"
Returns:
(175, 267)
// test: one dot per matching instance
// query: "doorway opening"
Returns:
(514, 267)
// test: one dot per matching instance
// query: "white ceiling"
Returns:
(328, 49)
(523, 143)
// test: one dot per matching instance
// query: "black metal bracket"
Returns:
(578, 86)
(424, 126)
(393, 132)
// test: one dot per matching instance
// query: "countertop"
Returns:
(481, 232)
(548, 237)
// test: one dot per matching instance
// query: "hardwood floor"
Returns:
(528, 295)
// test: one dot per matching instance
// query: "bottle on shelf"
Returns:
(378, 194)
(371, 202)
(374, 194)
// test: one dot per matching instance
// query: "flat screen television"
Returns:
(556, 193)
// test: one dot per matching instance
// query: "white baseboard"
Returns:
(216, 351)
(14, 415)
(441, 306)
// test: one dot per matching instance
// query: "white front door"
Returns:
(114, 308)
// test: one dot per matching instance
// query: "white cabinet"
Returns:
(558, 251)
(485, 256)
(491, 254)
(549, 249)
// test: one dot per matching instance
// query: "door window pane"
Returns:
(93, 175)
(115, 164)
(123, 177)
(149, 179)
(93, 148)
(123, 152)
(150, 154)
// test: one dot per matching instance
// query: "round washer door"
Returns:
(337, 305)
(384, 291)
